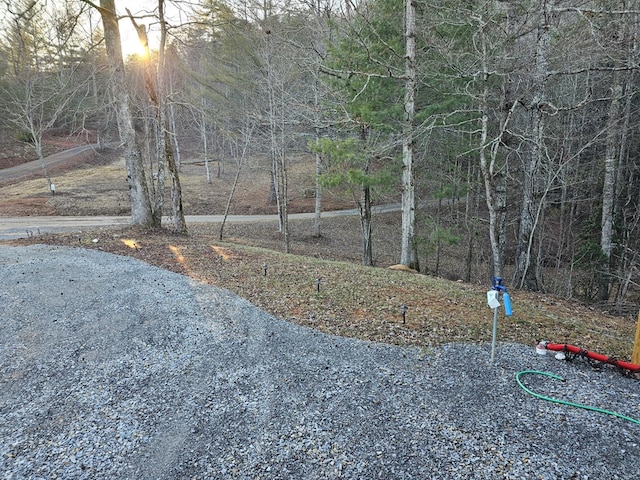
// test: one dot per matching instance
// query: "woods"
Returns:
(506, 129)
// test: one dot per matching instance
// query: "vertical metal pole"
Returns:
(495, 334)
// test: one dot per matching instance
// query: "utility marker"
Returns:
(493, 299)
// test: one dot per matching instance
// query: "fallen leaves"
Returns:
(363, 302)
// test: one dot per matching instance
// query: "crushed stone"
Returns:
(111, 368)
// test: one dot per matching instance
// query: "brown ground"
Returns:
(321, 284)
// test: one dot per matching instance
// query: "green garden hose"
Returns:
(564, 402)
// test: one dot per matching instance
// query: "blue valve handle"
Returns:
(497, 284)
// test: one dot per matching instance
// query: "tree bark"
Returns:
(408, 254)
(365, 224)
(174, 136)
(177, 211)
(608, 187)
(318, 164)
(284, 203)
(318, 196)
(205, 144)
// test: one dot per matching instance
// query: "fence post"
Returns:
(635, 357)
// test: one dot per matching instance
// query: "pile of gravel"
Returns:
(113, 369)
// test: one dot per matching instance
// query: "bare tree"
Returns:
(524, 275)
(141, 208)
(43, 87)
(242, 149)
(156, 85)
(408, 255)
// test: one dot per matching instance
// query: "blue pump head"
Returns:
(497, 284)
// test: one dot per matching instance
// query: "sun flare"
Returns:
(131, 46)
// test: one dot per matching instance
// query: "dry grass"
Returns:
(99, 187)
(357, 301)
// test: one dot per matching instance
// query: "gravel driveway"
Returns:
(113, 369)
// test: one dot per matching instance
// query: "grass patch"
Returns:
(363, 302)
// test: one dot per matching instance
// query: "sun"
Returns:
(131, 45)
(129, 39)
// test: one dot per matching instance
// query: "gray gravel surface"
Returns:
(113, 369)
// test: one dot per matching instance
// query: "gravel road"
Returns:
(30, 226)
(113, 369)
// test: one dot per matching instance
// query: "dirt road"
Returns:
(30, 168)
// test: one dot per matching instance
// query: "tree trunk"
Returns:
(174, 137)
(318, 158)
(524, 275)
(494, 182)
(141, 211)
(37, 145)
(365, 224)
(318, 196)
(284, 203)
(177, 211)
(179, 222)
(205, 145)
(628, 254)
(491, 197)
(150, 81)
(227, 207)
(240, 162)
(408, 255)
(222, 153)
(608, 187)
(166, 157)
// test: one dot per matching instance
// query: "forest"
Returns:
(506, 128)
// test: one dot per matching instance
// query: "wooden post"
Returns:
(635, 358)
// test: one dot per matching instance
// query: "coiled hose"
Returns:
(564, 402)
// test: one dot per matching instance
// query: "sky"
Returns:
(143, 9)
(129, 37)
